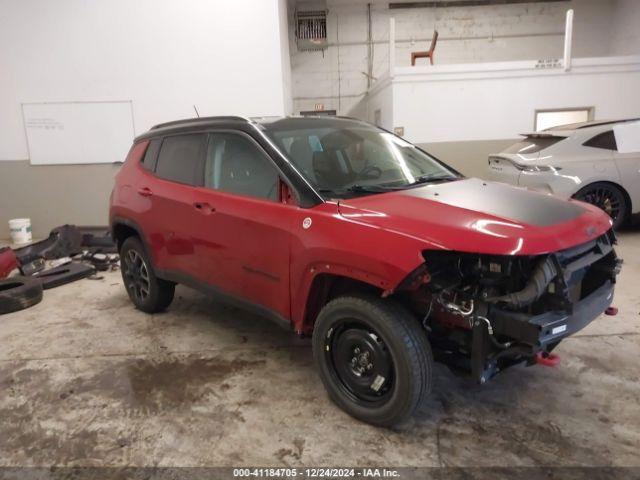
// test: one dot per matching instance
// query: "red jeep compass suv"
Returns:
(346, 232)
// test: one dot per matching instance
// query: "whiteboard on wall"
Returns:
(78, 132)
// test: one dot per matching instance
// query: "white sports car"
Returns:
(597, 162)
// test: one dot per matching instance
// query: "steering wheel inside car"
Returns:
(371, 172)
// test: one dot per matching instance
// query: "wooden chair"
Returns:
(428, 53)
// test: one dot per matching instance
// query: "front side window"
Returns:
(356, 158)
(179, 158)
(235, 164)
(605, 140)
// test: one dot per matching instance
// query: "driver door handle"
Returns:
(145, 192)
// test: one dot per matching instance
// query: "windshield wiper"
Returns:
(434, 177)
(355, 188)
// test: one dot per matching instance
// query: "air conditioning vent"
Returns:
(311, 30)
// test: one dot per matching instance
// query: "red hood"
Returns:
(479, 216)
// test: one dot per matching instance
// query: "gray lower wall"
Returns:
(79, 194)
(52, 195)
(469, 158)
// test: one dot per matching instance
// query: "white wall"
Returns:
(462, 113)
(377, 102)
(285, 55)
(226, 57)
(498, 101)
(467, 35)
(625, 36)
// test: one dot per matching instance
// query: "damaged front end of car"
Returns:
(484, 313)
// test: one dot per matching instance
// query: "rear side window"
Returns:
(179, 158)
(605, 140)
(151, 155)
(533, 145)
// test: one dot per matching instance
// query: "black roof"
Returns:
(190, 125)
(308, 121)
(269, 123)
(199, 121)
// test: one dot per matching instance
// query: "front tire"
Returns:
(607, 197)
(373, 358)
(147, 292)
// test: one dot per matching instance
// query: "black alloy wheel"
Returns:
(147, 292)
(136, 274)
(608, 198)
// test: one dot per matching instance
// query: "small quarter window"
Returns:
(605, 140)
(151, 155)
(179, 159)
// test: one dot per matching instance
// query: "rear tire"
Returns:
(147, 292)
(608, 198)
(373, 358)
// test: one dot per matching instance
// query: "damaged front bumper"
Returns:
(484, 313)
(543, 331)
(531, 335)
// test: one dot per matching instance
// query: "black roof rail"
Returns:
(198, 120)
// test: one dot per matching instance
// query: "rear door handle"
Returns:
(145, 192)
(204, 207)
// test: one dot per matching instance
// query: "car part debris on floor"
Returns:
(63, 274)
(8, 261)
(68, 254)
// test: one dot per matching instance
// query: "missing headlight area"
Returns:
(484, 313)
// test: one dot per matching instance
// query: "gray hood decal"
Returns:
(500, 200)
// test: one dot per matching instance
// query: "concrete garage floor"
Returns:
(87, 380)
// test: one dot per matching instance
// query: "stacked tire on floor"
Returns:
(18, 293)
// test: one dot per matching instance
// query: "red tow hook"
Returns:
(611, 311)
(547, 359)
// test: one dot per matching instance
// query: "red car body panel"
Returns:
(244, 246)
(8, 261)
(270, 253)
(451, 227)
(254, 249)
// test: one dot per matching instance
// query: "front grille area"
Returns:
(589, 266)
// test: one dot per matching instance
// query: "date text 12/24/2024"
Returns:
(315, 473)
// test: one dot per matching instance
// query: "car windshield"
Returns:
(345, 158)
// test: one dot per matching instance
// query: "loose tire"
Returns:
(373, 358)
(607, 197)
(147, 292)
(18, 293)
